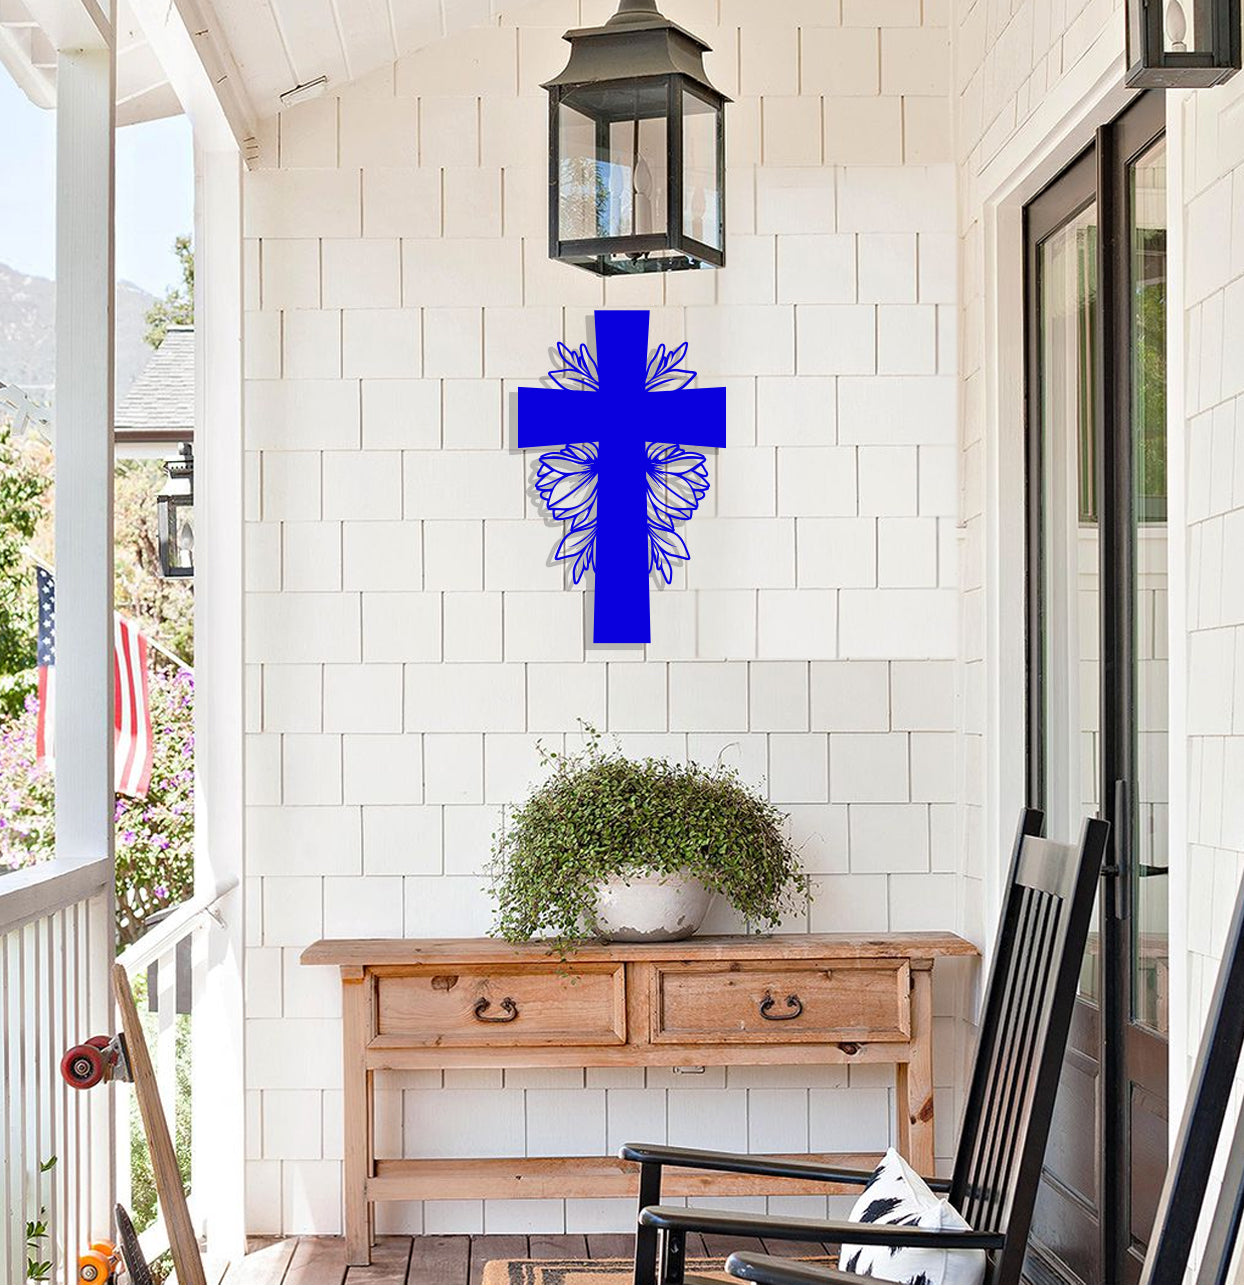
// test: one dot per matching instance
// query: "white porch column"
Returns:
(84, 541)
(219, 1104)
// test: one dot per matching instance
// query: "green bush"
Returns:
(155, 836)
(601, 815)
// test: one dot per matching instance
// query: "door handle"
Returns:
(1121, 838)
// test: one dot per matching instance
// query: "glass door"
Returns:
(1064, 652)
(1146, 985)
(1097, 670)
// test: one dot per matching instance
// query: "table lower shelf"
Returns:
(411, 1179)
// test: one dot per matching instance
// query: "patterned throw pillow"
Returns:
(897, 1195)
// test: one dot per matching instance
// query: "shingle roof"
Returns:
(162, 398)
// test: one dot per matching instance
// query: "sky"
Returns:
(155, 192)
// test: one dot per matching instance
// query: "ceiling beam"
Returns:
(189, 42)
(73, 24)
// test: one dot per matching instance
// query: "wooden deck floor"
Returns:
(453, 1258)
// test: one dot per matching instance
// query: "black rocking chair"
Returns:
(1027, 1013)
(1187, 1180)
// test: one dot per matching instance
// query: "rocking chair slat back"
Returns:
(1032, 986)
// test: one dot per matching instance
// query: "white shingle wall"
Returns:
(1213, 178)
(408, 638)
(1006, 59)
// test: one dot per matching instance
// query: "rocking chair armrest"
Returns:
(791, 1168)
(801, 1229)
(756, 1267)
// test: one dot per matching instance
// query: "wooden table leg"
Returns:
(357, 1127)
(915, 1078)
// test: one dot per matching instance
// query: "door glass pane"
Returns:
(1148, 418)
(1067, 282)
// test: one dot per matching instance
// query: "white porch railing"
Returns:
(56, 940)
(173, 955)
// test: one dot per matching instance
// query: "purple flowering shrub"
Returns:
(155, 836)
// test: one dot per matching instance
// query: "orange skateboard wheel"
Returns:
(98, 1264)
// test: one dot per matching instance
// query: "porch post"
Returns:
(86, 75)
(219, 1112)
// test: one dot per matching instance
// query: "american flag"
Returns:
(131, 697)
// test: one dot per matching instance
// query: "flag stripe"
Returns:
(133, 743)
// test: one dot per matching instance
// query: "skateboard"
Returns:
(100, 1263)
(125, 1057)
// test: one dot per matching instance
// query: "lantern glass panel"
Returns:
(701, 214)
(612, 172)
(176, 533)
(1180, 26)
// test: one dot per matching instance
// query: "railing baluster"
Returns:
(6, 1069)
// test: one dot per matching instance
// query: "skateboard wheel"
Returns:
(94, 1267)
(100, 1043)
(82, 1066)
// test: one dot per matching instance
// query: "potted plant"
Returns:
(636, 850)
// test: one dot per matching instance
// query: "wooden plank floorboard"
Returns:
(611, 1246)
(390, 1259)
(720, 1245)
(557, 1246)
(318, 1261)
(793, 1250)
(440, 1258)
(495, 1246)
(265, 1262)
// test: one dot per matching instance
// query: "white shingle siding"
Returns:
(410, 638)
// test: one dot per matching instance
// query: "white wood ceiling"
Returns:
(267, 46)
(277, 44)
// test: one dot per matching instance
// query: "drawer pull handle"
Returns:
(793, 1003)
(509, 1011)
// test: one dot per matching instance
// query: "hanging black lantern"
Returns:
(1182, 44)
(175, 516)
(637, 149)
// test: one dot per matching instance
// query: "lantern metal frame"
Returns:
(1151, 65)
(639, 46)
(178, 493)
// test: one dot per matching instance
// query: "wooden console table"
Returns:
(468, 1003)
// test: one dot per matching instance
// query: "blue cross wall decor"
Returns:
(622, 478)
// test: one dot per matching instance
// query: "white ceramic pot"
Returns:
(651, 909)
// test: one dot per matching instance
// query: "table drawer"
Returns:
(782, 1002)
(546, 1005)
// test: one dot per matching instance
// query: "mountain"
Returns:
(28, 332)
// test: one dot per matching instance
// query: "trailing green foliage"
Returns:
(38, 1270)
(600, 814)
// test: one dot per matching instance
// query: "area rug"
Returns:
(553, 1273)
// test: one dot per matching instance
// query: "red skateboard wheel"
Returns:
(82, 1066)
(100, 1043)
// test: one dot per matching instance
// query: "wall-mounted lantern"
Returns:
(1182, 44)
(637, 149)
(175, 516)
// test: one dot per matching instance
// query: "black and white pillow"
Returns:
(897, 1195)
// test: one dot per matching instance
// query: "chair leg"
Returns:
(673, 1256)
(645, 1237)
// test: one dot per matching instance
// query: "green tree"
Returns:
(177, 306)
(22, 488)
